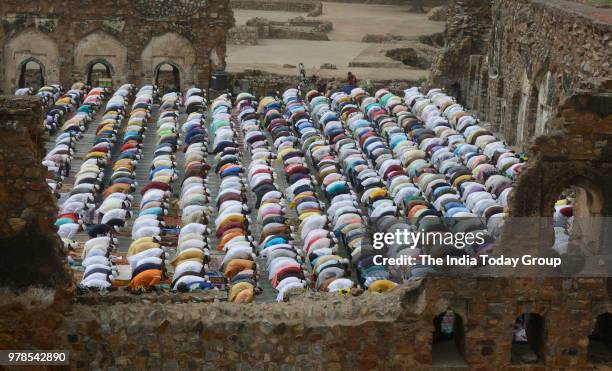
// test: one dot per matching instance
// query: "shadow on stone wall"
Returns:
(30, 247)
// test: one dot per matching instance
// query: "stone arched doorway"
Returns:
(31, 74)
(580, 233)
(101, 54)
(455, 91)
(448, 340)
(172, 49)
(168, 77)
(528, 339)
(30, 46)
(99, 72)
(599, 350)
(578, 225)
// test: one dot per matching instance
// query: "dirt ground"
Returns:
(351, 23)
(243, 15)
(362, 73)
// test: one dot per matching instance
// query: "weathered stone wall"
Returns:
(539, 73)
(297, 28)
(372, 331)
(242, 35)
(550, 49)
(278, 5)
(467, 31)
(28, 207)
(68, 37)
(578, 153)
(35, 284)
(515, 61)
(262, 83)
(569, 308)
(426, 3)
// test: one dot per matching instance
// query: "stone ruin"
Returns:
(297, 28)
(131, 39)
(571, 123)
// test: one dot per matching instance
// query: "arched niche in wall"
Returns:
(529, 339)
(99, 72)
(577, 222)
(599, 350)
(100, 47)
(448, 340)
(510, 122)
(537, 105)
(483, 91)
(526, 112)
(31, 74)
(499, 100)
(496, 46)
(544, 110)
(170, 48)
(30, 45)
(565, 204)
(168, 77)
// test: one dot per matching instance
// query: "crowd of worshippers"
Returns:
(79, 209)
(80, 105)
(56, 103)
(193, 251)
(57, 162)
(329, 271)
(419, 163)
(460, 173)
(232, 225)
(116, 196)
(146, 254)
(285, 252)
(275, 242)
(353, 163)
